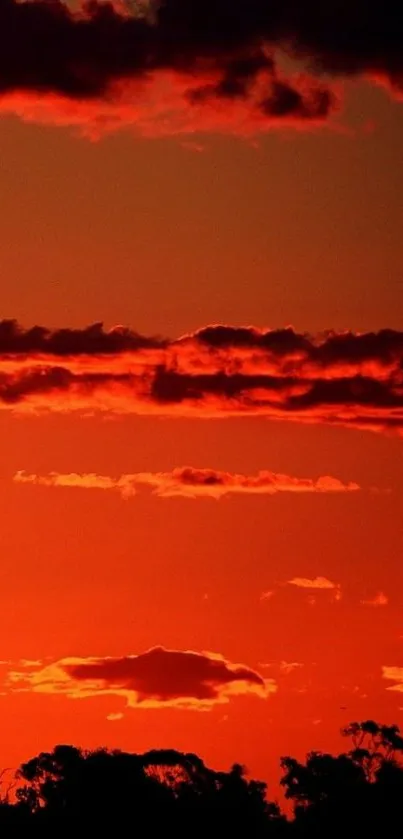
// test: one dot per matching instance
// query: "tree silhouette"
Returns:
(166, 791)
(160, 789)
(358, 790)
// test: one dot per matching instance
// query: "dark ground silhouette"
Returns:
(161, 792)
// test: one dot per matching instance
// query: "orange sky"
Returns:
(167, 236)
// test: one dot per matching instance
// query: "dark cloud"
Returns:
(280, 341)
(167, 674)
(54, 380)
(82, 54)
(225, 52)
(157, 677)
(340, 36)
(346, 378)
(47, 49)
(332, 347)
(94, 339)
(171, 386)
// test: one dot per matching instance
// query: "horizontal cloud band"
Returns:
(181, 65)
(344, 378)
(188, 482)
(156, 678)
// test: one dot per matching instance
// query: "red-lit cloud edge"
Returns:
(345, 378)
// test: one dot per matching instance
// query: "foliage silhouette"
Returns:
(168, 791)
(357, 791)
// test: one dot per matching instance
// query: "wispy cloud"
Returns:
(156, 678)
(288, 667)
(282, 667)
(189, 482)
(380, 599)
(267, 595)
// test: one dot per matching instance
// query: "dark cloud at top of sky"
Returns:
(227, 46)
(339, 36)
(45, 48)
(81, 54)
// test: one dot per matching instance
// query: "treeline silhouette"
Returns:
(165, 791)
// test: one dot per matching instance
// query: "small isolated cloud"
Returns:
(115, 717)
(394, 674)
(380, 599)
(267, 595)
(190, 482)
(156, 678)
(281, 668)
(287, 667)
(316, 583)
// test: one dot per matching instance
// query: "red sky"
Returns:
(167, 235)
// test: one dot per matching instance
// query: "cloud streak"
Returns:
(188, 482)
(350, 379)
(156, 678)
(186, 65)
(316, 583)
(393, 674)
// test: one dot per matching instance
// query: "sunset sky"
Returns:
(202, 498)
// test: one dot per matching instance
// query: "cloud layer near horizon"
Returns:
(156, 678)
(185, 65)
(346, 378)
(188, 482)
